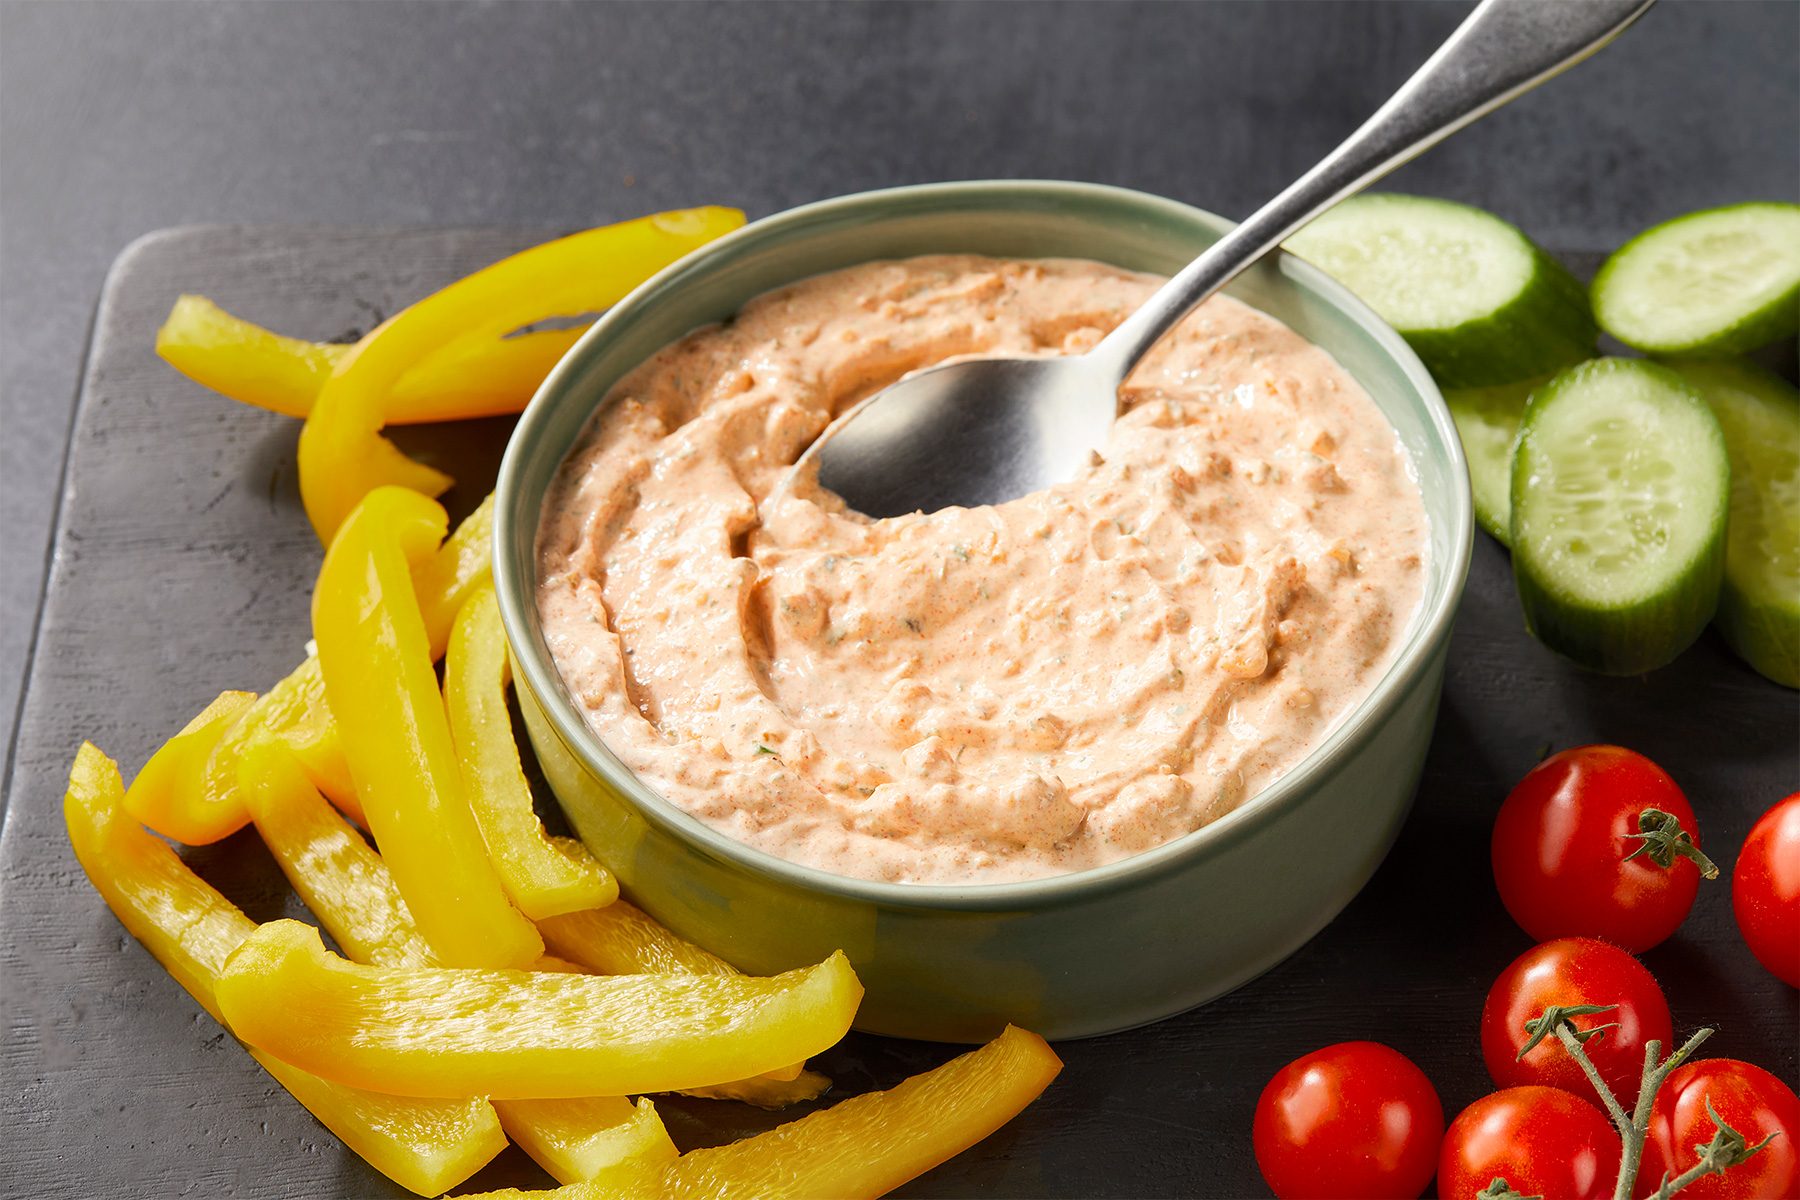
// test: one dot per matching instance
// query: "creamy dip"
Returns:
(989, 694)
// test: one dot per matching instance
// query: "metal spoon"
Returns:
(990, 430)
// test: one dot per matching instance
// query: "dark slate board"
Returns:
(183, 565)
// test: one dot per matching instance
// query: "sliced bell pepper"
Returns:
(424, 1145)
(541, 876)
(579, 1139)
(473, 377)
(559, 966)
(188, 926)
(340, 877)
(444, 582)
(158, 796)
(375, 653)
(347, 886)
(342, 880)
(523, 1034)
(480, 377)
(295, 710)
(342, 453)
(623, 940)
(244, 360)
(772, 1089)
(864, 1146)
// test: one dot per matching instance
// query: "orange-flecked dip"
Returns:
(990, 694)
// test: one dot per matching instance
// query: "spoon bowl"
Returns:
(981, 431)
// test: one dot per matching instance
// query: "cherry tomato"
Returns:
(1573, 971)
(1352, 1120)
(1543, 1141)
(1765, 890)
(1563, 850)
(1751, 1101)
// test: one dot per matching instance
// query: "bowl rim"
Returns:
(531, 658)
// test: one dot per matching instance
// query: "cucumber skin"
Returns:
(1635, 638)
(1495, 518)
(1547, 328)
(1623, 641)
(1764, 633)
(1771, 323)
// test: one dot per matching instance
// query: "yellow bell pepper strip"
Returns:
(473, 377)
(342, 453)
(541, 876)
(295, 709)
(341, 879)
(621, 939)
(861, 1147)
(376, 656)
(771, 1090)
(333, 870)
(427, 1146)
(558, 966)
(523, 1034)
(579, 1139)
(479, 377)
(347, 886)
(188, 926)
(444, 582)
(165, 796)
(243, 360)
(786, 1074)
(158, 795)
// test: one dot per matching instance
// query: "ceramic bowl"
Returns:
(1071, 956)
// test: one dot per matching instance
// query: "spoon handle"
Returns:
(1505, 48)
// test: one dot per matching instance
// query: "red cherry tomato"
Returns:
(1751, 1101)
(1765, 890)
(1352, 1120)
(1543, 1141)
(1563, 846)
(1572, 971)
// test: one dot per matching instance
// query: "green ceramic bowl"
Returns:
(1072, 956)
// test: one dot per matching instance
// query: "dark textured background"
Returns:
(115, 120)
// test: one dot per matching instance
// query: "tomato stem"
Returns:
(1637, 1129)
(1727, 1149)
(1571, 1039)
(1500, 1189)
(1663, 840)
(1555, 1019)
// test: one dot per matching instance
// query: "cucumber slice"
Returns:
(1487, 420)
(1620, 490)
(1759, 607)
(1717, 282)
(1477, 301)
